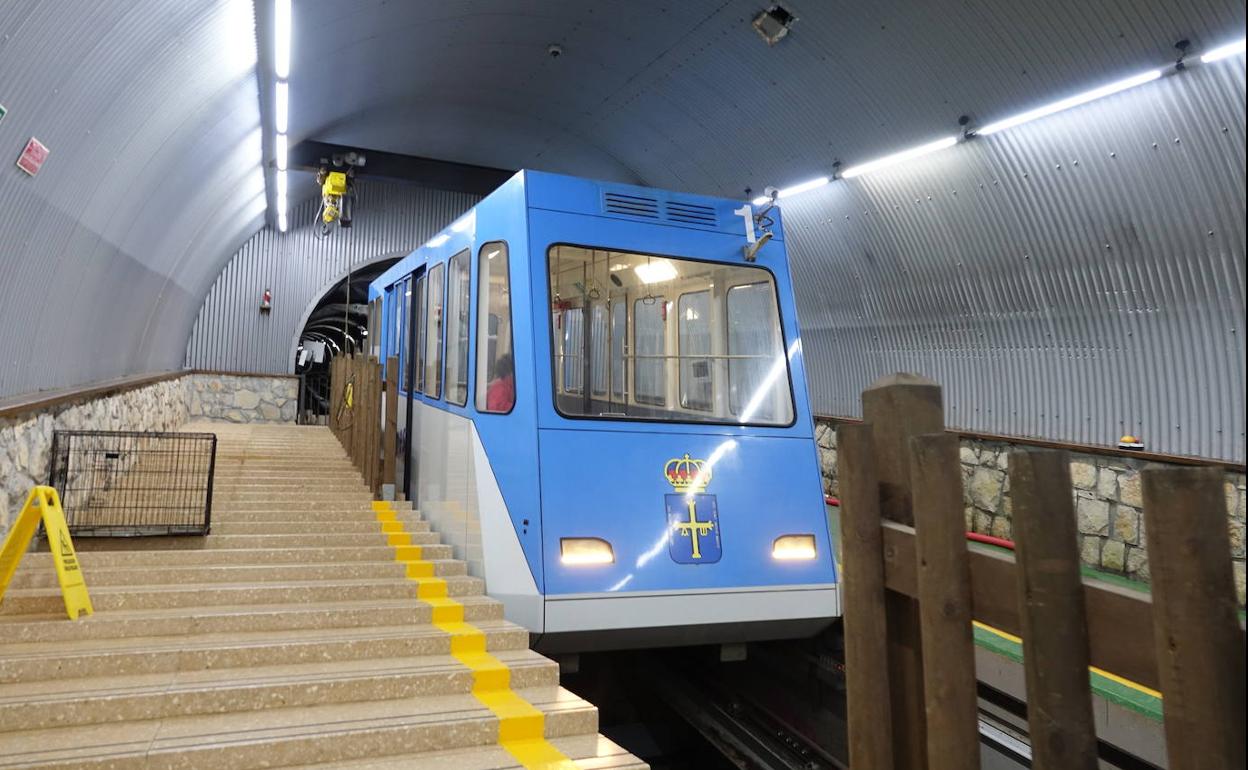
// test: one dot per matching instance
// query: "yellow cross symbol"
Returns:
(694, 528)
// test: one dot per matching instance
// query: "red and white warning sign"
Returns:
(32, 157)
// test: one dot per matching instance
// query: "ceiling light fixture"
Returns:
(1073, 101)
(655, 272)
(899, 157)
(1224, 52)
(812, 184)
(280, 151)
(281, 38)
(281, 105)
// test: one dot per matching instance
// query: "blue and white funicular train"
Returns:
(604, 410)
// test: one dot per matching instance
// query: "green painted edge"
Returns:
(1115, 692)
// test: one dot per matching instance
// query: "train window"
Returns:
(619, 330)
(457, 329)
(706, 340)
(402, 340)
(572, 322)
(693, 317)
(650, 344)
(417, 367)
(496, 378)
(755, 356)
(433, 330)
(598, 356)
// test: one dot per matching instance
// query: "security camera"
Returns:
(771, 192)
(554, 50)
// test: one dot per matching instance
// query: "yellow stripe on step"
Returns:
(521, 725)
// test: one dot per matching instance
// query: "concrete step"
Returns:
(37, 705)
(382, 569)
(92, 560)
(312, 541)
(589, 752)
(110, 598)
(314, 527)
(34, 662)
(290, 736)
(53, 627)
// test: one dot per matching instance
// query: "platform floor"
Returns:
(309, 629)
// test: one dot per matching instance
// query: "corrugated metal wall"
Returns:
(150, 111)
(299, 266)
(1076, 278)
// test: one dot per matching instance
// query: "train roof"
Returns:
(560, 192)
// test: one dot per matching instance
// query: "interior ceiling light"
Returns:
(281, 38)
(281, 152)
(899, 157)
(281, 104)
(281, 222)
(281, 191)
(1073, 101)
(655, 272)
(1223, 52)
(794, 190)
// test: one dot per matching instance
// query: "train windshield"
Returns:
(644, 337)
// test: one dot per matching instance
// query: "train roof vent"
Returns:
(691, 213)
(631, 205)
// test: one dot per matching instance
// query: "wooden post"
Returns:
(1053, 616)
(944, 588)
(1200, 649)
(390, 441)
(357, 406)
(374, 426)
(866, 658)
(899, 407)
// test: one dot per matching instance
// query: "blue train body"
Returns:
(653, 478)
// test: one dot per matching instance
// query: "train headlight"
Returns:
(793, 547)
(577, 551)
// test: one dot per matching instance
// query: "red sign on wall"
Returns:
(32, 157)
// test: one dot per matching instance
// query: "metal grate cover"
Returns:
(125, 484)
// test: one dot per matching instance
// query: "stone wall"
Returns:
(26, 440)
(238, 398)
(1108, 503)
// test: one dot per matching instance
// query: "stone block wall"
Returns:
(26, 440)
(242, 398)
(1108, 503)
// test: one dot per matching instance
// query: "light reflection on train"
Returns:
(605, 413)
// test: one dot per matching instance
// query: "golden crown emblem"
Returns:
(685, 473)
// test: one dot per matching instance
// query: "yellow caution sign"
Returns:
(44, 504)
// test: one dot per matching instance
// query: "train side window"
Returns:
(693, 318)
(457, 299)
(755, 352)
(619, 328)
(433, 330)
(496, 379)
(650, 346)
(599, 359)
(572, 322)
(417, 367)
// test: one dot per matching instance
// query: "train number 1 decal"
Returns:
(692, 514)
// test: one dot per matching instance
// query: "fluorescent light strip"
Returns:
(813, 184)
(1073, 101)
(281, 151)
(281, 222)
(1224, 52)
(899, 157)
(281, 105)
(281, 38)
(281, 192)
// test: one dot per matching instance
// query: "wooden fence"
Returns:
(912, 586)
(356, 415)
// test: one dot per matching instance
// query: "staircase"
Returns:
(289, 637)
